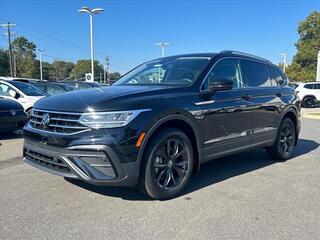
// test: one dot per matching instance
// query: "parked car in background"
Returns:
(12, 115)
(23, 93)
(82, 85)
(48, 87)
(309, 93)
(157, 124)
(53, 88)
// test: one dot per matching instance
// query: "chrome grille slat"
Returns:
(65, 126)
(64, 119)
(60, 122)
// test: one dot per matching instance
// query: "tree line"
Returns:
(25, 65)
(304, 63)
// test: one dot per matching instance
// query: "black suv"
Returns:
(162, 120)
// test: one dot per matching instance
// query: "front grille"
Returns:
(46, 161)
(59, 122)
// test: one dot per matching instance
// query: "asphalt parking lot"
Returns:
(244, 196)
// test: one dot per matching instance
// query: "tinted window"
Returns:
(83, 86)
(226, 69)
(42, 87)
(256, 74)
(277, 75)
(317, 86)
(54, 89)
(28, 89)
(309, 86)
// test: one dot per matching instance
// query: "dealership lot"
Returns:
(244, 196)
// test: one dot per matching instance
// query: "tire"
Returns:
(285, 141)
(309, 102)
(167, 164)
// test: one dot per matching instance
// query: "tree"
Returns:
(25, 53)
(62, 69)
(84, 66)
(4, 63)
(114, 76)
(304, 63)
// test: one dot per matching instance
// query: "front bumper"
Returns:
(94, 164)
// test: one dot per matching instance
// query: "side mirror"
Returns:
(17, 95)
(220, 85)
(14, 94)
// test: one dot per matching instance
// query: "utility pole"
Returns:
(162, 45)
(106, 71)
(9, 26)
(284, 61)
(40, 58)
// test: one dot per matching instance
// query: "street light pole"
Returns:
(284, 61)
(162, 45)
(91, 13)
(91, 46)
(40, 58)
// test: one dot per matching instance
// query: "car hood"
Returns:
(7, 104)
(99, 99)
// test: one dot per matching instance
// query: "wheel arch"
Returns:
(293, 114)
(180, 122)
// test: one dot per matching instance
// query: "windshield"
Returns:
(167, 71)
(28, 89)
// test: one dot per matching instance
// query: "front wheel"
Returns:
(284, 144)
(168, 164)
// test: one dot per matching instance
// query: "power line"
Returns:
(67, 42)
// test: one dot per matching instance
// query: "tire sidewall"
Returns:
(307, 105)
(151, 186)
(282, 155)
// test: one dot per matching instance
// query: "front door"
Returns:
(228, 114)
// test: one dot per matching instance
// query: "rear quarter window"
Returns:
(308, 86)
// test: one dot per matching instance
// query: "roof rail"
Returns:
(245, 54)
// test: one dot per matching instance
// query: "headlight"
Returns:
(109, 119)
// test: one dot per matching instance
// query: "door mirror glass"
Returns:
(14, 94)
(220, 85)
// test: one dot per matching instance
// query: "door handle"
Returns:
(279, 94)
(246, 97)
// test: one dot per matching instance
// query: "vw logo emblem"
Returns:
(13, 112)
(45, 120)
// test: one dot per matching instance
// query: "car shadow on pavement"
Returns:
(227, 167)
(210, 173)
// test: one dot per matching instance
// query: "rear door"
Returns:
(266, 96)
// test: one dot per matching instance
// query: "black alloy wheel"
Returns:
(171, 164)
(285, 142)
(168, 164)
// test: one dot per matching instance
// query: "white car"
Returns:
(309, 93)
(23, 93)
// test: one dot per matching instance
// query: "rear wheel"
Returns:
(309, 102)
(284, 144)
(168, 164)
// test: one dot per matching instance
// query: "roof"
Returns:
(224, 53)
